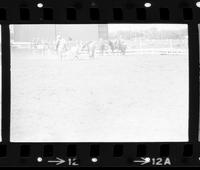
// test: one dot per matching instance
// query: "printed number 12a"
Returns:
(161, 161)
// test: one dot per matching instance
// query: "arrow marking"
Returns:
(58, 161)
(143, 161)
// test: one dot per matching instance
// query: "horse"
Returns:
(93, 46)
(117, 45)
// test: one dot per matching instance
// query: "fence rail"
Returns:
(165, 47)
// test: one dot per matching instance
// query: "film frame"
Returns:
(107, 154)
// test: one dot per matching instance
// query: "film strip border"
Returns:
(90, 155)
(101, 11)
(98, 11)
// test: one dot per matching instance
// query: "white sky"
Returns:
(137, 27)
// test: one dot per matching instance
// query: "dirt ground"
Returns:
(116, 98)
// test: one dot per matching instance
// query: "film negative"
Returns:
(99, 83)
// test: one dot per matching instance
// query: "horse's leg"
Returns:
(59, 55)
(76, 54)
(92, 52)
(62, 56)
(111, 48)
(102, 52)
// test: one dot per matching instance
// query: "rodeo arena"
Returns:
(80, 79)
